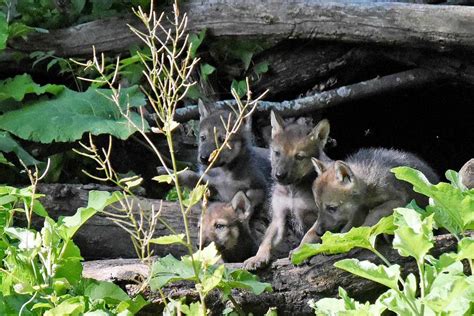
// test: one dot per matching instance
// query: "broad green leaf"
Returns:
(272, 311)
(206, 70)
(4, 161)
(8, 144)
(395, 302)
(466, 248)
(71, 114)
(451, 206)
(29, 239)
(387, 276)
(210, 281)
(455, 180)
(167, 240)
(108, 291)
(195, 196)
(16, 88)
(164, 178)
(242, 279)
(328, 306)
(17, 29)
(208, 256)
(261, 68)
(240, 87)
(69, 266)
(346, 306)
(169, 269)
(72, 307)
(449, 294)
(358, 237)
(413, 237)
(195, 40)
(3, 31)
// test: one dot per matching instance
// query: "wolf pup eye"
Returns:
(276, 153)
(202, 137)
(219, 226)
(331, 209)
(300, 157)
(221, 139)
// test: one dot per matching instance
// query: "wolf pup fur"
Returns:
(467, 174)
(291, 147)
(362, 190)
(239, 167)
(227, 225)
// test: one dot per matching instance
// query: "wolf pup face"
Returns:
(224, 223)
(336, 191)
(293, 146)
(212, 134)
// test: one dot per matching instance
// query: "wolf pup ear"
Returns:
(318, 166)
(204, 109)
(242, 205)
(320, 132)
(278, 125)
(344, 173)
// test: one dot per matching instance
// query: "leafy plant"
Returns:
(71, 114)
(442, 287)
(41, 271)
(168, 73)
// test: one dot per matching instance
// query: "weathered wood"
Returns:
(415, 25)
(387, 84)
(292, 285)
(101, 238)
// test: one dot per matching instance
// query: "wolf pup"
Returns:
(239, 167)
(362, 190)
(467, 174)
(291, 147)
(227, 225)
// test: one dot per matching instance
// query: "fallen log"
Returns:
(409, 25)
(292, 285)
(100, 238)
(408, 79)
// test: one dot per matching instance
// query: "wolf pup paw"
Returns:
(256, 262)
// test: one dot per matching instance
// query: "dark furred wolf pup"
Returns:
(239, 167)
(227, 225)
(362, 190)
(291, 147)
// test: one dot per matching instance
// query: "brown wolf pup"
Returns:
(227, 225)
(362, 190)
(467, 174)
(291, 147)
(239, 167)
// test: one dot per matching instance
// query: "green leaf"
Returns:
(387, 276)
(73, 307)
(108, 291)
(397, 304)
(210, 281)
(357, 237)
(242, 279)
(4, 161)
(8, 144)
(450, 294)
(195, 40)
(195, 196)
(29, 239)
(206, 70)
(167, 240)
(455, 180)
(3, 31)
(71, 114)
(16, 88)
(413, 237)
(466, 248)
(451, 206)
(240, 87)
(169, 269)
(17, 29)
(261, 68)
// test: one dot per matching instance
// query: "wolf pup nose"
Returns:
(292, 147)
(361, 190)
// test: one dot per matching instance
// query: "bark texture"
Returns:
(414, 25)
(292, 285)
